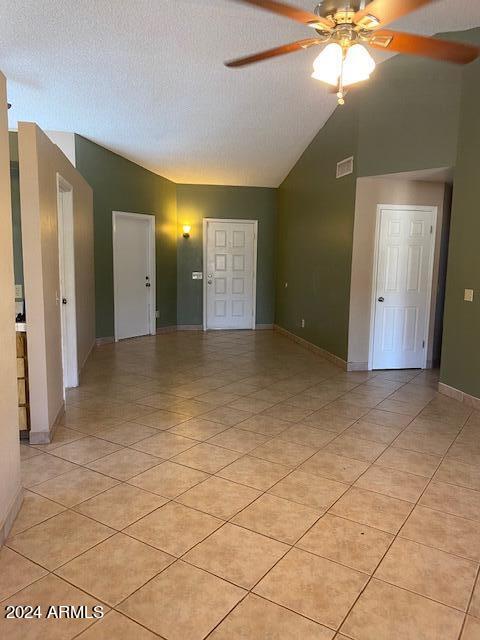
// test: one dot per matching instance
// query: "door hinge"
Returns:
(423, 344)
(431, 229)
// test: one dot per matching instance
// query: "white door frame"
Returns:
(398, 207)
(206, 221)
(66, 272)
(150, 218)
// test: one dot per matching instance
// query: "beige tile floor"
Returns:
(236, 486)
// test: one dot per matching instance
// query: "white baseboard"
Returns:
(461, 396)
(312, 347)
(46, 437)
(12, 513)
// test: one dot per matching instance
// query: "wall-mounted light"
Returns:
(186, 230)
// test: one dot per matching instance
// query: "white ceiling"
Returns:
(146, 79)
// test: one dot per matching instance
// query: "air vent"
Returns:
(345, 167)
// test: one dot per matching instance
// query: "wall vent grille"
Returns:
(345, 167)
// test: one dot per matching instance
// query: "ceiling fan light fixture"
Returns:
(358, 65)
(327, 67)
(343, 67)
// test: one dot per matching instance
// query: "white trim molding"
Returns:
(461, 396)
(66, 271)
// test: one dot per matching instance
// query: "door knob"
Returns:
(64, 301)
(148, 284)
(381, 299)
(209, 282)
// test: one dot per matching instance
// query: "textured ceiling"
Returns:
(146, 79)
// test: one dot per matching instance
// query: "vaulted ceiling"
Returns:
(146, 79)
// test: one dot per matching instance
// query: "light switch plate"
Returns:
(468, 296)
(197, 275)
(19, 292)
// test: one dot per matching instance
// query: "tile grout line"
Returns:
(244, 454)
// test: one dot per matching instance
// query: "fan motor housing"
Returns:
(327, 8)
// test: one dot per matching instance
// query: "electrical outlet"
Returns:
(19, 292)
(303, 323)
(157, 314)
(468, 295)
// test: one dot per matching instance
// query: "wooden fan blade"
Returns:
(299, 15)
(273, 53)
(386, 11)
(456, 52)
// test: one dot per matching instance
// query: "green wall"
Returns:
(414, 114)
(315, 230)
(461, 341)
(406, 118)
(16, 224)
(195, 202)
(15, 200)
(121, 185)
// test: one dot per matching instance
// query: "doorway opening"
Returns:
(398, 273)
(66, 269)
(402, 286)
(134, 274)
(230, 273)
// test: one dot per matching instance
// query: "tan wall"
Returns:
(370, 193)
(10, 486)
(40, 161)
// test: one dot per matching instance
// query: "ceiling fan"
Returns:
(345, 26)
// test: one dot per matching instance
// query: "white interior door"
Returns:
(230, 274)
(66, 270)
(134, 274)
(403, 288)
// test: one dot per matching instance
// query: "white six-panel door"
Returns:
(134, 274)
(403, 287)
(230, 256)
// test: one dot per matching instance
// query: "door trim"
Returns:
(67, 282)
(255, 259)
(398, 207)
(150, 218)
